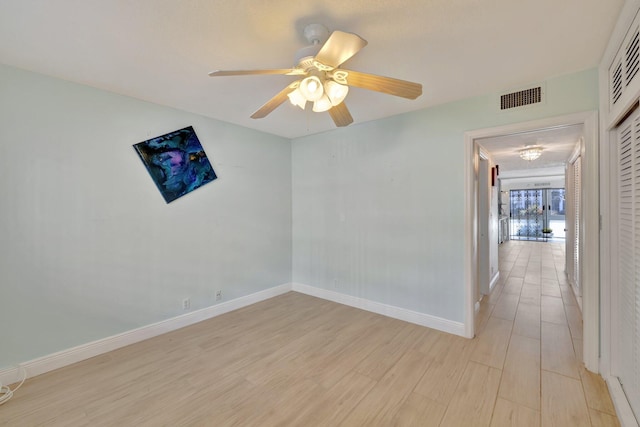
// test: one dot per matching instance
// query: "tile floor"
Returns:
(530, 326)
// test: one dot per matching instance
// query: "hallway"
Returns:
(531, 327)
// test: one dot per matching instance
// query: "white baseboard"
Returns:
(620, 402)
(456, 328)
(494, 281)
(85, 351)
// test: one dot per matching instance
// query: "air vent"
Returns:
(521, 98)
(632, 58)
(625, 68)
(616, 83)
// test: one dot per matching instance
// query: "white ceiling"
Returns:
(162, 50)
(557, 143)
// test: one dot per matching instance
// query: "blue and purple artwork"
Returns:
(176, 162)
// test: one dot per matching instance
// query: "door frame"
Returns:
(590, 222)
(484, 258)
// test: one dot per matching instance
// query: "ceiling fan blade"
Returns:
(339, 47)
(275, 102)
(388, 85)
(282, 71)
(341, 115)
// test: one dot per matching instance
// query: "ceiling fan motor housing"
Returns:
(304, 57)
(316, 35)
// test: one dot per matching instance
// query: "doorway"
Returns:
(589, 221)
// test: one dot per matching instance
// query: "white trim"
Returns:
(483, 226)
(576, 294)
(531, 126)
(85, 351)
(620, 402)
(608, 247)
(576, 151)
(590, 285)
(470, 236)
(399, 313)
(590, 243)
(608, 193)
(494, 281)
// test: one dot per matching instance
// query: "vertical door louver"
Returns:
(577, 190)
(572, 220)
(627, 354)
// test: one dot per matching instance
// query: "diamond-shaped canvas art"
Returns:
(176, 162)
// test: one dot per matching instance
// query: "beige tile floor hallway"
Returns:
(531, 327)
(295, 360)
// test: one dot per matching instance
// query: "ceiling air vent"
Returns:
(521, 98)
(632, 57)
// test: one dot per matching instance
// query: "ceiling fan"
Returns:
(321, 81)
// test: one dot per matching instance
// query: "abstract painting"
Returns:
(176, 162)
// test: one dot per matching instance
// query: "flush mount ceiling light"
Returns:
(530, 152)
(321, 81)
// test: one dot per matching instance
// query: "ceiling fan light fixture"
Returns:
(311, 88)
(322, 104)
(296, 98)
(323, 82)
(335, 91)
(531, 153)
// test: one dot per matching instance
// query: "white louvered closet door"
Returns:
(577, 191)
(628, 343)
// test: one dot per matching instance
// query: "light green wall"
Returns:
(88, 247)
(378, 207)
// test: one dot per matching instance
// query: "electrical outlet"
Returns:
(186, 303)
(218, 295)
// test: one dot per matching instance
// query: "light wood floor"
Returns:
(296, 360)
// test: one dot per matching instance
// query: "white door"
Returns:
(626, 306)
(484, 249)
(573, 218)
